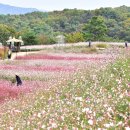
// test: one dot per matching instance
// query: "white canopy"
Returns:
(14, 40)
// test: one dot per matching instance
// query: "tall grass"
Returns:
(3, 52)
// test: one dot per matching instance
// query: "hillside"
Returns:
(45, 26)
(7, 9)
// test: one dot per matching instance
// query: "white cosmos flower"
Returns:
(39, 115)
(43, 126)
(107, 125)
(85, 110)
(78, 98)
(11, 128)
(119, 123)
(90, 122)
(127, 128)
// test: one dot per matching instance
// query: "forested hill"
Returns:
(7, 9)
(71, 21)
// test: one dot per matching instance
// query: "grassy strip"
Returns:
(91, 100)
(67, 49)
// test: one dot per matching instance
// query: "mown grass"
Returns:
(94, 99)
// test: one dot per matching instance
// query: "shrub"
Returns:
(45, 40)
(89, 50)
(29, 38)
(101, 45)
(74, 37)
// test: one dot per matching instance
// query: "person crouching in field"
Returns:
(18, 80)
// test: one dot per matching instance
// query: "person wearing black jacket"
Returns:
(126, 44)
(89, 43)
(18, 80)
(9, 54)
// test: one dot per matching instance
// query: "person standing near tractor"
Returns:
(9, 54)
(126, 44)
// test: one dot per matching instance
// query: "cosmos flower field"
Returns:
(66, 91)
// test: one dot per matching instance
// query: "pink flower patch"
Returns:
(9, 90)
(50, 57)
(40, 68)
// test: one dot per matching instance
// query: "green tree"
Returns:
(5, 33)
(126, 30)
(29, 38)
(74, 37)
(44, 39)
(95, 29)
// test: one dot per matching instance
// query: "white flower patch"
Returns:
(109, 125)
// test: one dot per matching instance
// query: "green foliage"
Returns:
(29, 38)
(74, 37)
(95, 29)
(44, 39)
(5, 33)
(71, 21)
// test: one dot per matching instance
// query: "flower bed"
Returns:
(10, 90)
(51, 57)
(94, 96)
(34, 68)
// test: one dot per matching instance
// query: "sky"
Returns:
(51, 5)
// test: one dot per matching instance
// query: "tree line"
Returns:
(104, 24)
